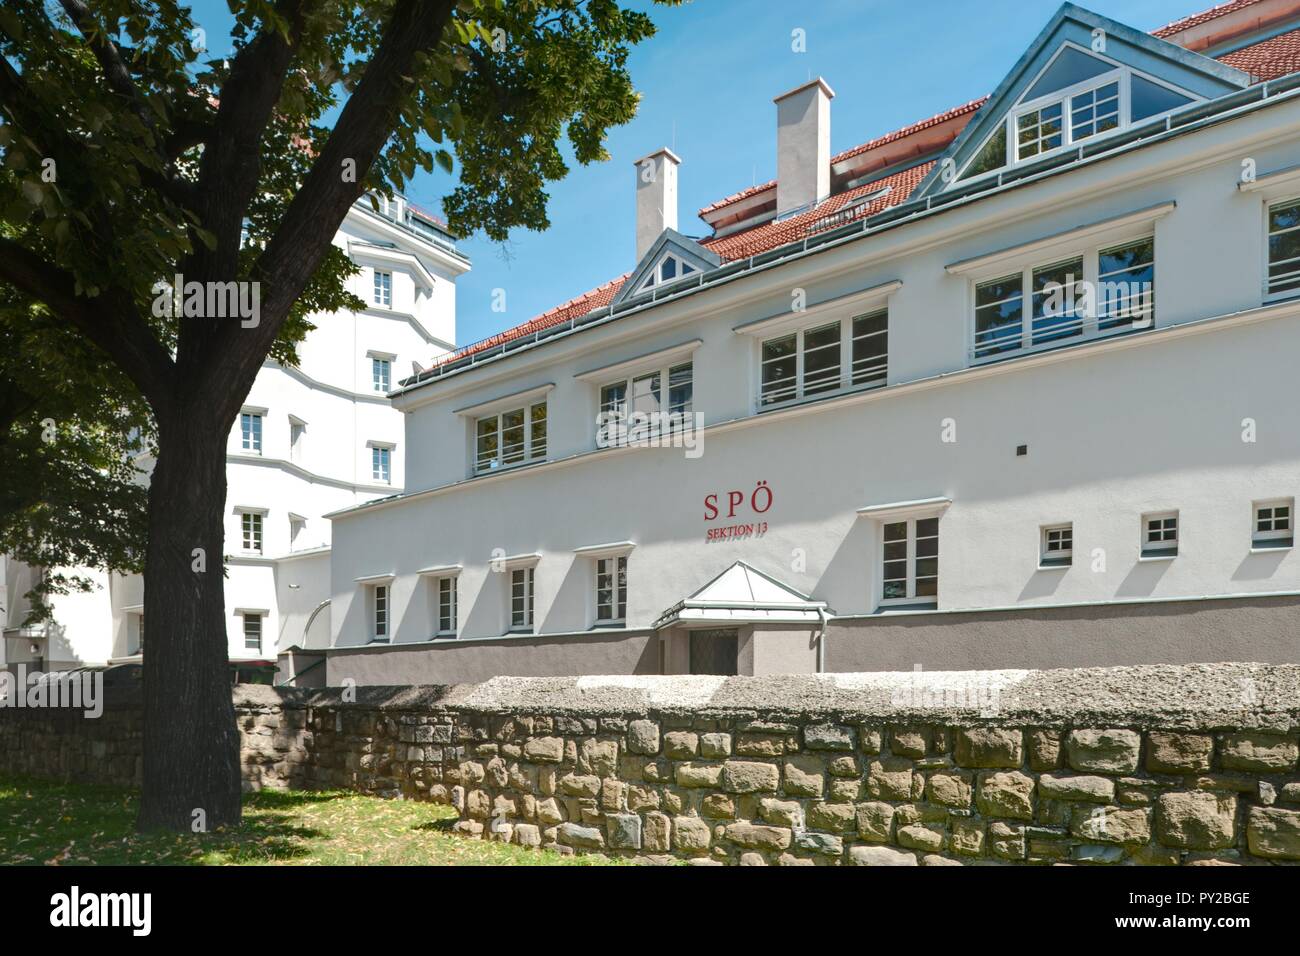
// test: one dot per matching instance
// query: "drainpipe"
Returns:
(821, 641)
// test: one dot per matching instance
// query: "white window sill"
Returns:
(818, 396)
(483, 472)
(1065, 566)
(1266, 549)
(1157, 557)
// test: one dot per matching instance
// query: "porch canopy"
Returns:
(744, 595)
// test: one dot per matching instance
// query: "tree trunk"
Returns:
(191, 743)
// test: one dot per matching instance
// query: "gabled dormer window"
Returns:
(668, 269)
(1078, 96)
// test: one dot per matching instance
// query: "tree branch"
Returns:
(109, 57)
(109, 321)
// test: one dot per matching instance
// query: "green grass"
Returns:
(72, 824)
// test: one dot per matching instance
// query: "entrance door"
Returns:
(714, 652)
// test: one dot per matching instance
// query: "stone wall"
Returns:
(1158, 765)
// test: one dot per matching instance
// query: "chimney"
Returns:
(656, 197)
(803, 146)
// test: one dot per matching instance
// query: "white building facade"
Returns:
(1012, 387)
(310, 439)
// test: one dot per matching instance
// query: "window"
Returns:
(383, 289)
(521, 599)
(1057, 546)
(252, 632)
(379, 608)
(1106, 291)
(1284, 247)
(250, 432)
(137, 625)
(381, 463)
(1274, 525)
(510, 438)
(381, 372)
(639, 407)
(447, 605)
(668, 269)
(297, 439)
(910, 562)
(1160, 535)
(1077, 96)
(251, 531)
(297, 525)
(825, 358)
(611, 589)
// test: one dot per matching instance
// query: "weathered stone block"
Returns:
(875, 821)
(576, 835)
(1109, 825)
(782, 813)
(718, 806)
(579, 785)
(843, 767)
(655, 833)
(1044, 750)
(766, 745)
(1006, 841)
(950, 789)
(1178, 753)
(824, 843)
(681, 744)
(743, 776)
(623, 831)
(527, 834)
(759, 836)
(691, 834)
(804, 776)
(828, 737)
(1273, 833)
(890, 778)
(908, 741)
(599, 757)
(1007, 794)
(1062, 786)
(967, 837)
(549, 813)
(1259, 753)
(698, 775)
(880, 856)
(715, 745)
(643, 737)
(1199, 820)
(989, 747)
(544, 749)
(835, 817)
(918, 836)
(1104, 751)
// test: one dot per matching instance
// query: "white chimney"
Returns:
(656, 197)
(803, 145)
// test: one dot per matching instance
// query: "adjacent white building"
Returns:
(309, 440)
(1011, 387)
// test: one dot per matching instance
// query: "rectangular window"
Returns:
(910, 561)
(1038, 131)
(381, 373)
(1284, 247)
(1160, 535)
(447, 605)
(639, 407)
(1274, 523)
(611, 589)
(380, 602)
(297, 526)
(251, 531)
(383, 288)
(297, 439)
(510, 438)
(1094, 111)
(1106, 291)
(521, 599)
(253, 632)
(381, 463)
(250, 432)
(825, 358)
(1056, 546)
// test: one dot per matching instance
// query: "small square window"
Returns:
(1160, 535)
(1057, 546)
(1274, 523)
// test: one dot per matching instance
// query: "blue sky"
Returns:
(707, 81)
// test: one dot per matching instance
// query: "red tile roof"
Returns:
(1269, 59)
(1205, 16)
(1265, 60)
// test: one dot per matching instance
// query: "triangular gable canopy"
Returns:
(1086, 76)
(672, 257)
(744, 595)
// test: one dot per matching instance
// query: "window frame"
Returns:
(246, 617)
(527, 594)
(252, 527)
(297, 439)
(453, 611)
(1272, 540)
(531, 455)
(911, 598)
(1092, 320)
(380, 612)
(382, 363)
(382, 289)
(846, 384)
(1055, 558)
(664, 375)
(1270, 294)
(250, 437)
(1165, 548)
(381, 453)
(617, 604)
